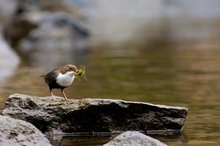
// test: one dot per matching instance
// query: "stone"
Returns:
(7, 9)
(9, 59)
(134, 138)
(54, 30)
(95, 115)
(14, 132)
(47, 33)
(43, 36)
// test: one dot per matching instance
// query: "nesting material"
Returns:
(81, 73)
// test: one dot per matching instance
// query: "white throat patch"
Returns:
(66, 79)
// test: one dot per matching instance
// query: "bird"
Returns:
(60, 78)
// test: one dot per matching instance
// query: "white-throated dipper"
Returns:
(60, 78)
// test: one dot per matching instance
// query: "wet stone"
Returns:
(134, 138)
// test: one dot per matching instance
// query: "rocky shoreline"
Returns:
(94, 115)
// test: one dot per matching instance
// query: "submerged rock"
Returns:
(94, 115)
(15, 132)
(134, 138)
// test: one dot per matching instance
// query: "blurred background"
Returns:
(158, 51)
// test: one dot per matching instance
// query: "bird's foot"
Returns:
(64, 99)
(52, 98)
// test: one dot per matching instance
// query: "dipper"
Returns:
(60, 78)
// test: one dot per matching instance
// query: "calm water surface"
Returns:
(161, 71)
(174, 64)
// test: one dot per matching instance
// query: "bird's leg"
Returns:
(52, 96)
(64, 95)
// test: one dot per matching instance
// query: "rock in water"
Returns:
(15, 132)
(134, 138)
(95, 115)
(47, 36)
(9, 59)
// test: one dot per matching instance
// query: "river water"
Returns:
(165, 59)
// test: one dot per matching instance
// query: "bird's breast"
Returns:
(65, 80)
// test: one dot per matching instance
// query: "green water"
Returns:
(165, 68)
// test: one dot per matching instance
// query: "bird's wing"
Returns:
(51, 77)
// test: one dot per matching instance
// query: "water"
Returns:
(163, 61)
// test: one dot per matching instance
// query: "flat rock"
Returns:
(134, 138)
(94, 115)
(14, 132)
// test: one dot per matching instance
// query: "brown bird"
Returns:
(60, 78)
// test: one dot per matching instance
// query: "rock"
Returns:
(7, 9)
(9, 60)
(25, 6)
(94, 115)
(20, 133)
(134, 138)
(48, 38)
(58, 35)
(47, 33)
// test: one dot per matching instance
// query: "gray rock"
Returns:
(94, 115)
(46, 33)
(15, 132)
(134, 138)
(9, 60)
(48, 38)
(7, 9)
(58, 35)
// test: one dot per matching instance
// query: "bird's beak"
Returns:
(76, 72)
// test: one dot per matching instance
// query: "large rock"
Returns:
(95, 115)
(58, 35)
(15, 132)
(134, 138)
(47, 33)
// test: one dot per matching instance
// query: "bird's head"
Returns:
(70, 68)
